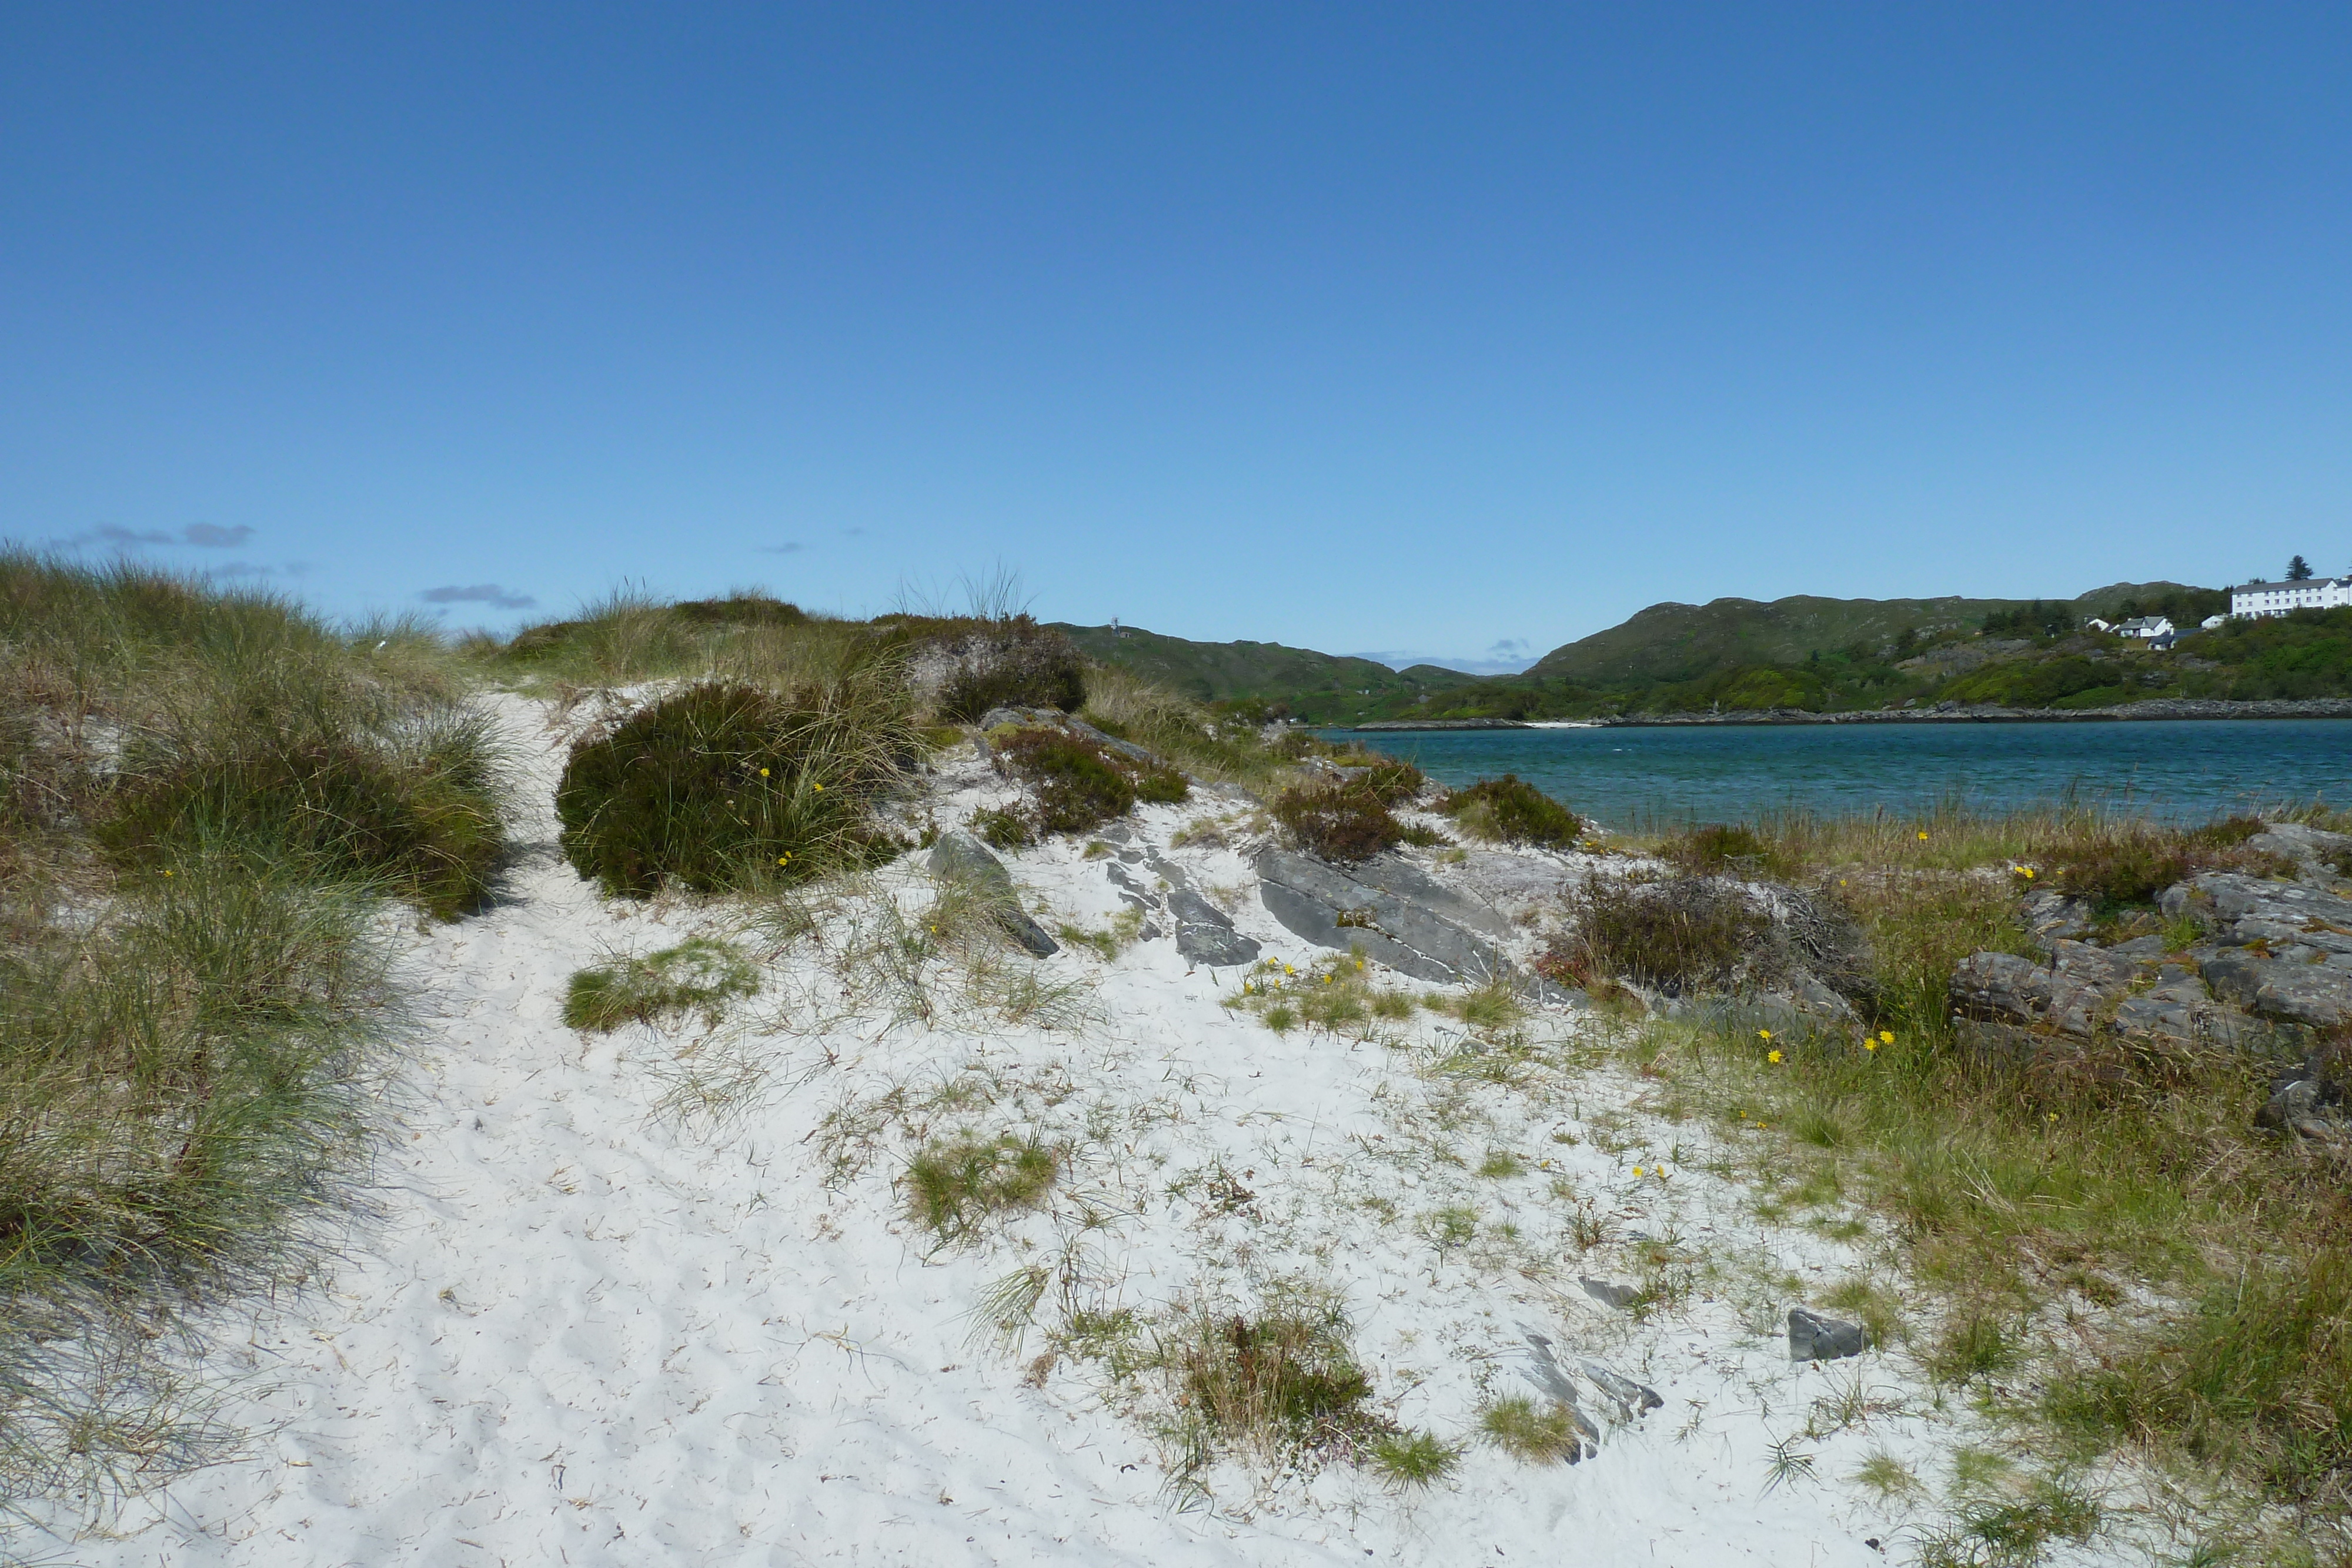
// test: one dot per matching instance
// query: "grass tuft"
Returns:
(1543, 1433)
(698, 975)
(954, 1184)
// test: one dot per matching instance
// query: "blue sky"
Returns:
(1450, 331)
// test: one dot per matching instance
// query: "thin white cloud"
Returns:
(489, 593)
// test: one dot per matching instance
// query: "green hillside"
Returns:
(1319, 687)
(1680, 642)
(1805, 653)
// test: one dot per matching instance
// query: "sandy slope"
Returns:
(590, 1330)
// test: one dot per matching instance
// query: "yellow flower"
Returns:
(2053, 1116)
(1887, 1036)
(820, 789)
(1637, 1170)
(1870, 1045)
(785, 859)
(1774, 1058)
(1922, 833)
(1288, 970)
(763, 773)
(1327, 979)
(1763, 1034)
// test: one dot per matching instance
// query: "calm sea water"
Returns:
(2186, 770)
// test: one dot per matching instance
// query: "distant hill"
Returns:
(1318, 686)
(1675, 642)
(1739, 655)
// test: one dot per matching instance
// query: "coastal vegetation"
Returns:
(210, 795)
(2114, 1254)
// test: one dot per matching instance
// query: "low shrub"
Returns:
(953, 1184)
(1283, 1383)
(698, 975)
(1682, 937)
(1078, 784)
(965, 665)
(1005, 829)
(723, 783)
(1342, 820)
(1510, 811)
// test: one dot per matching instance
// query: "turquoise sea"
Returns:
(2184, 771)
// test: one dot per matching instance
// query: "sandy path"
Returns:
(583, 1335)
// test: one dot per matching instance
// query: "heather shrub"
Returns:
(1681, 937)
(724, 783)
(1076, 783)
(968, 664)
(1510, 811)
(1343, 820)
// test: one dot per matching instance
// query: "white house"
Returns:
(2096, 624)
(2212, 620)
(2278, 598)
(2146, 626)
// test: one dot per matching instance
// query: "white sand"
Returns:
(590, 1331)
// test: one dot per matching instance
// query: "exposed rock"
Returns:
(2050, 916)
(959, 857)
(2300, 989)
(1608, 1293)
(1543, 1370)
(2240, 909)
(1205, 934)
(1633, 1399)
(1812, 1337)
(1390, 908)
(2317, 854)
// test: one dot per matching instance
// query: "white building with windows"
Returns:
(2146, 626)
(2278, 598)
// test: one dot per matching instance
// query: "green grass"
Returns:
(1535, 1434)
(954, 1184)
(1286, 1385)
(698, 975)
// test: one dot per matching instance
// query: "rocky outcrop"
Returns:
(959, 857)
(2283, 949)
(1396, 913)
(1205, 934)
(1812, 1337)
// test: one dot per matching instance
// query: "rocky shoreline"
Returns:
(1941, 713)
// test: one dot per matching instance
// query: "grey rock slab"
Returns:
(2225, 898)
(2319, 995)
(2001, 985)
(959, 857)
(1813, 1337)
(1608, 1292)
(1205, 934)
(1337, 909)
(1634, 1398)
